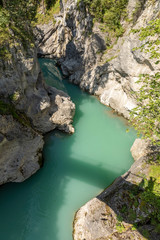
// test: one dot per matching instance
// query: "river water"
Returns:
(76, 168)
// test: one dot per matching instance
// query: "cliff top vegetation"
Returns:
(15, 19)
(146, 116)
(46, 11)
(109, 13)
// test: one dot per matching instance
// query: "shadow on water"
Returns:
(31, 210)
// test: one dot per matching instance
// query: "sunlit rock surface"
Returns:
(33, 108)
(80, 48)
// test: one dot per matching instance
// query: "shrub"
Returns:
(146, 116)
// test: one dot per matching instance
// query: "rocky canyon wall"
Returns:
(111, 73)
(81, 49)
(28, 109)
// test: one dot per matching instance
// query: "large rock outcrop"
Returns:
(28, 108)
(22, 81)
(120, 212)
(80, 48)
(20, 150)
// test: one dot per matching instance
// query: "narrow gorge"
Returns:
(37, 98)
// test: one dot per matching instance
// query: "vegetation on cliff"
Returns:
(15, 30)
(146, 120)
(146, 116)
(141, 204)
(46, 11)
(109, 13)
(15, 19)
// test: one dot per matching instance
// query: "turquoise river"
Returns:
(76, 168)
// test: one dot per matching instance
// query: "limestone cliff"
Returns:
(28, 109)
(81, 49)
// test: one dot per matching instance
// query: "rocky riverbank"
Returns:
(28, 109)
(127, 209)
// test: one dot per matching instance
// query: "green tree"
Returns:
(146, 116)
(108, 12)
(15, 19)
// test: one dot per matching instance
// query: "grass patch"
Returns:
(120, 227)
(110, 59)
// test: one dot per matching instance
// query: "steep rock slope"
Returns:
(28, 109)
(20, 150)
(80, 48)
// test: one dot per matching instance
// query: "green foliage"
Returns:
(120, 227)
(4, 53)
(15, 19)
(21, 12)
(146, 117)
(4, 31)
(4, 18)
(151, 195)
(146, 198)
(108, 12)
(151, 36)
(48, 15)
(110, 59)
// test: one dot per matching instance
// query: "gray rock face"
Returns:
(22, 81)
(140, 148)
(80, 46)
(22, 87)
(72, 42)
(52, 39)
(20, 150)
